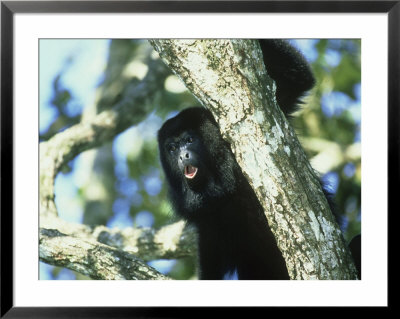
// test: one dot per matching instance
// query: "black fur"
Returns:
(233, 231)
(234, 235)
(290, 71)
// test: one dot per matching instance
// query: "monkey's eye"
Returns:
(189, 140)
(172, 147)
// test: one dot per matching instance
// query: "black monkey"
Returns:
(209, 190)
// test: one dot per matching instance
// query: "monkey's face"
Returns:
(199, 166)
(186, 156)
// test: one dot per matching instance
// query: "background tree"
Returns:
(120, 183)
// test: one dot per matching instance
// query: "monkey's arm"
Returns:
(290, 71)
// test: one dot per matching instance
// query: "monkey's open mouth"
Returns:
(190, 171)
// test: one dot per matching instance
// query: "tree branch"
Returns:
(64, 146)
(168, 242)
(91, 258)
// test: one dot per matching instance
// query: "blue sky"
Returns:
(82, 63)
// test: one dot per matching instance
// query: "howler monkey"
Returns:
(208, 189)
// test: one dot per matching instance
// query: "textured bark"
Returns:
(92, 258)
(168, 242)
(229, 78)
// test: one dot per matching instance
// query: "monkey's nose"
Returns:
(184, 155)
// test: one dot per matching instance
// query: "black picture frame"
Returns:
(9, 8)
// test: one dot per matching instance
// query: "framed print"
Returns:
(115, 180)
